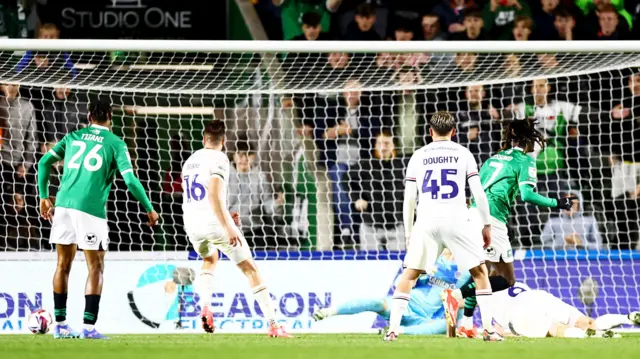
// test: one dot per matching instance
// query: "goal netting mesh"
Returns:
(319, 142)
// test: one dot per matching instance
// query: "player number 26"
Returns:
(91, 162)
(194, 190)
(431, 185)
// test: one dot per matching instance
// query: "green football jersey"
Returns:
(91, 156)
(501, 177)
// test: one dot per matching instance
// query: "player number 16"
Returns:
(193, 190)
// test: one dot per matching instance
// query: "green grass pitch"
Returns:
(312, 346)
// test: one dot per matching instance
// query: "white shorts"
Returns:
(430, 237)
(71, 226)
(207, 242)
(500, 248)
(533, 313)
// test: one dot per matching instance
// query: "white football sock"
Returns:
(62, 323)
(609, 321)
(204, 287)
(467, 322)
(574, 333)
(457, 294)
(483, 296)
(261, 295)
(399, 303)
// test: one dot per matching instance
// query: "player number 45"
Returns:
(194, 190)
(431, 185)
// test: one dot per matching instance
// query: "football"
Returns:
(39, 321)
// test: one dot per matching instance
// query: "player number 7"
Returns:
(497, 168)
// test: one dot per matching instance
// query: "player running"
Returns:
(210, 226)
(537, 314)
(91, 158)
(439, 172)
(425, 314)
(503, 176)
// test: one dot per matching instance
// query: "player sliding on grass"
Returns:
(91, 158)
(436, 177)
(503, 176)
(537, 314)
(425, 314)
(211, 227)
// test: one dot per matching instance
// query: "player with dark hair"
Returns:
(503, 176)
(91, 158)
(212, 228)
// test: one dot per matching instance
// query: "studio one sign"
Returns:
(191, 19)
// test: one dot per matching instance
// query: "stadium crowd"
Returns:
(363, 139)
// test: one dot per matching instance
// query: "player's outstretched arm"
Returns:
(44, 170)
(530, 196)
(136, 189)
(409, 207)
(216, 190)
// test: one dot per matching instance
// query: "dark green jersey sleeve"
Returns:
(123, 160)
(59, 149)
(527, 173)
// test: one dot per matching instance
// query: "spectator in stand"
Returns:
(473, 27)
(591, 9)
(18, 233)
(554, 117)
(624, 134)
(564, 24)
(522, 28)
(431, 28)
(499, 16)
(172, 189)
(403, 33)
(362, 27)
(292, 12)
(451, 14)
(42, 61)
(376, 188)
(252, 197)
(14, 20)
(609, 25)
(476, 129)
(312, 28)
(544, 19)
(63, 115)
(572, 229)
(347, 140)
(19, 130)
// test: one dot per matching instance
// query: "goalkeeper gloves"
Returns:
(565, 202)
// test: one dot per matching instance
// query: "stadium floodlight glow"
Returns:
(168, 110)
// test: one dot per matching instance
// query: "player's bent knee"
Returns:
(248, 267)
(479, 271)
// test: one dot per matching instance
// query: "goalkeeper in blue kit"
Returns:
(425, 313)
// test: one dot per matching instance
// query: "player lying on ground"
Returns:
(436, 176)
(211, 227)
(537, 314)
(425, 314)
(503, 176)
(91, 158)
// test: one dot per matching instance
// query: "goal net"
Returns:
(319, 135)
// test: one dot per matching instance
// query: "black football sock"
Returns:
(60, 306)
(91, 308)
(498, 283)
(469, 306)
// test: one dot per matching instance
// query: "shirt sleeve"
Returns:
(527, 173)
(220, 167)
(59, 149)
(412, 169)
(472, 166)
(123, 159)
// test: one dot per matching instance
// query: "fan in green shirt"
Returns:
(91, 158)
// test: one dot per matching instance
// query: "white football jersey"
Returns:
(440, 170)
(196, 173)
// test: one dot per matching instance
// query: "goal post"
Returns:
(319, 134)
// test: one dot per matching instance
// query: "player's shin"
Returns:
(261, 295)
(469, 307)
(483, 296)
(91, 309)
(60, 308)
(609, 321)
(204, 287)
(400, 299)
